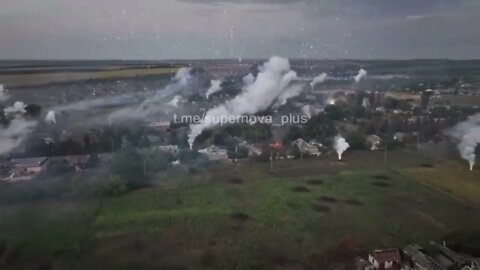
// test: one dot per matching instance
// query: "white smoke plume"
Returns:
(175, 100)
(50, 117)
(14, 134)
(183, 76)
(273, 83)
(361, 74)
(248, 80)
(18, 107)
(468, 135)
(340, 145)
(215, 86)
(3, 96)
(319, 79)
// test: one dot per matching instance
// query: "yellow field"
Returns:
(451, 177)
(16, 80)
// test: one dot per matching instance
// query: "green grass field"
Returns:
(305, 215)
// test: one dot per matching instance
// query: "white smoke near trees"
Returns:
(14, 134)
(3, 96)
(361, 74)
(340, 145)
(272, 84)
(175, 100)
(215, 86)
(50, 117)
(154, 105)
(468, 135)
(17, 107)
(319, 79)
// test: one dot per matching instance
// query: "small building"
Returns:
(383, 259)
(417, 259)
(160, 126)
(214, 153)
(172, 149)
(25, 168)
(311, 148)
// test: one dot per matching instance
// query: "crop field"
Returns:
(42, 78)
(304, 215)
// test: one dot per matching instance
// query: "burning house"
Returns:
(311, 148)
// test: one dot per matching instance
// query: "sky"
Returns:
(201, 29)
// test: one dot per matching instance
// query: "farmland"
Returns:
(242, 216)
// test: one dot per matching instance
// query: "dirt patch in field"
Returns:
(426, 165)
(241, 217)
(382, 177)
(381, 184)
(301, 189)
(320, 208)
(353, 202)
(315, 182)
(237, 181)
(327, 199)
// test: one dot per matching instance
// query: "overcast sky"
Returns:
(179, 29)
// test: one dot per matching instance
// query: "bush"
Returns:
(116, 186)
(128, 164)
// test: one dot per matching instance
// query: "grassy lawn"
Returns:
(242, 216)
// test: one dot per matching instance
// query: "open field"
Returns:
(451, 177)
(41, 78)
(305, 215)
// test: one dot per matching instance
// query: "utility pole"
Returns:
(144, 167)
(271, 160)
(385, 155)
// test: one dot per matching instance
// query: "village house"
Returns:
(214, 153)
(311, 148)
(172, 149)
(160, 126)
(24, 168)
(383, 259)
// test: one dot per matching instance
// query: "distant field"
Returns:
(451, 177)
(241, 216)
(41, 78)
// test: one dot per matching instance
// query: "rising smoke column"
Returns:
(273, 83)
(50, 117)
(215, 86)
(468, 135)
(3, 95)
(319, 79)
(361, 74)
(340, 145)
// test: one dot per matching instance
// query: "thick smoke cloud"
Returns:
(215, 86)
(17, 107)
(3, 96)
(361, 74)
(468, 135)
(273, 84)
(14, 134)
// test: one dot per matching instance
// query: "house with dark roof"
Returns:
(383, 259)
